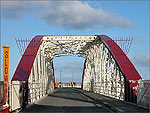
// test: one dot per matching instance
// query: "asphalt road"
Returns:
(67, 100)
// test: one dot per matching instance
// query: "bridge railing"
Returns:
(143, 93)
(21, 93)
(36, 91)
(100, 88)
(2, 93)
(16, 94)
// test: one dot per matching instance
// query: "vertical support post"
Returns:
(83, 74)
(25, 95)
(60, 76)
(129, 93)
(53, 75)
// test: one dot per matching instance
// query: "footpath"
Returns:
(116, 105)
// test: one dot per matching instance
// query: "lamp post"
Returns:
(72, 76)
(72, 79)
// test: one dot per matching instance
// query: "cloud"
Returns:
(14, 9)
(80, 15)
(69, 14)
(141, 60)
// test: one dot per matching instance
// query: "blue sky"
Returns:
(112, 18)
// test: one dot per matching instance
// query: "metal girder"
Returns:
(56, 46)
(104, 70)
(101, 74)
(41, 79)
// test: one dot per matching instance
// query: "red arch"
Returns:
(125, 64)
(25, 65)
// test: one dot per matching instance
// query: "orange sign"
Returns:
(56, 82)
(6, 68)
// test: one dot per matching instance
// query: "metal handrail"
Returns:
(144, 93)
(2, 93)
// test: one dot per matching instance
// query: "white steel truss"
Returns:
(101, 72)
(56, 46)
(41, 79)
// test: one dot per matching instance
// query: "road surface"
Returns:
(67, 100)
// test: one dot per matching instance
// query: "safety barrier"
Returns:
(2, 93)
(117, 91)
(4, 106)
(21, 94)
(16, 93)
(36, 91)
(143, 93)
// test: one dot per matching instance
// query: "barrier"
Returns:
(15, 95)
(4, 107)
(117, 91)
(143, 93)
(36, 91)
(21, 94)
(2, 93)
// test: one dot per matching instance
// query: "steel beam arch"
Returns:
(123, 66)
(99, 49)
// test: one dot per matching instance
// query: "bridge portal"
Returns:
(107, 69)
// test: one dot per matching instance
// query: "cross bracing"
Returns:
(107, 69)
(56, 46)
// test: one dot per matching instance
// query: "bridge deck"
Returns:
(114, 104)
(74, 100)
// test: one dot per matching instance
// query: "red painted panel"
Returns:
(5, 110)
(127, 67)
(25, 65)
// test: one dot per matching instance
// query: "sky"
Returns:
(26, 19)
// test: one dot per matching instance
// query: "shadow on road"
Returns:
(57, 109)
(66, 100)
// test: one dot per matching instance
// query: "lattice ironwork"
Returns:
(102, 74)
(107, 69)
(22, 44)
(123, 42)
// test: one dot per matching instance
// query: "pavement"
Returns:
(68, 100)
(114, 104)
